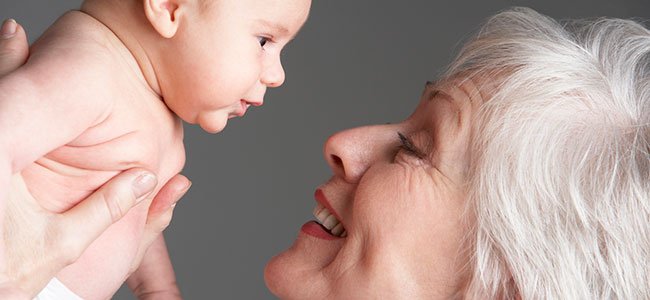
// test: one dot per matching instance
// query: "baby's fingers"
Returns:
(13, 46)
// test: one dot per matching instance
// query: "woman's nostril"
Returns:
(337, 161)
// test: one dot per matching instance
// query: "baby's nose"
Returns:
(274, 75)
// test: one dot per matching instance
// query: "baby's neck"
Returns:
(128, 23)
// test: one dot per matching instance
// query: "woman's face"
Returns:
(398, 191)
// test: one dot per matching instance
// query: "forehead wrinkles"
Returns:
(448, 110)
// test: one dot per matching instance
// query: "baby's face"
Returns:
(225, 55)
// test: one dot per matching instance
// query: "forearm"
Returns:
(155, 277)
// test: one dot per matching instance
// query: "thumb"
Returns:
(83, 223)
(13, 46)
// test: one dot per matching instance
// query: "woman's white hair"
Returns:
(560, 177)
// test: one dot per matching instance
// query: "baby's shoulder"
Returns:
(82, 48)
(75, 33)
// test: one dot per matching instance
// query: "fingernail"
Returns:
(8, 29)
(143, 184)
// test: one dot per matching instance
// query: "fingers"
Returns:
(160, 213)
(83, 223)
(162, 207)
(173, 190)
(13, 46)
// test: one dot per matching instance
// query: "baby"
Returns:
(105, 90)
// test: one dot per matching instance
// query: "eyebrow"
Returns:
(274, 26)
(440, 93)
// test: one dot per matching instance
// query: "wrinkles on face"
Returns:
(402, 212)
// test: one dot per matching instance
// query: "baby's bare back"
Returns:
(137, 131)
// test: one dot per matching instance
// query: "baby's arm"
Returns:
(155, 278)
(60, 92)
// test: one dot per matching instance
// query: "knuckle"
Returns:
(67, 248)
(112, 202)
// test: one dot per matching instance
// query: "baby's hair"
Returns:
(560, 177)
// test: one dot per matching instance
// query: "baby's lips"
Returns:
(254, 102)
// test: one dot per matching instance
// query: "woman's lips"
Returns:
(320, 198)
(316, 230)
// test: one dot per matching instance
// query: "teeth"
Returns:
(323, 214)
(338, 229)
(329, 221)
(317, 210)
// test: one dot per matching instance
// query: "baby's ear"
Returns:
(163, 15)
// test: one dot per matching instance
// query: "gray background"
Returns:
(355, 62)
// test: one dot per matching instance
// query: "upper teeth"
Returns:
(329, 221)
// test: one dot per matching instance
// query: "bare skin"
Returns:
(68, 234)
(101, 94)
(116, 129)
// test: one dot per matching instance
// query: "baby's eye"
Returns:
(262, 40)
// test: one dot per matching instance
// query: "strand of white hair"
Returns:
(561, 172)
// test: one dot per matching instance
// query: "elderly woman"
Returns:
(524, 173)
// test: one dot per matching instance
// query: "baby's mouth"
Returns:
(329, 222)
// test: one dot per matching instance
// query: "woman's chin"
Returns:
(284, 279)
(274, 276)
(297, 273)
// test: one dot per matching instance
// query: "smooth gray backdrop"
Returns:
(355, 62)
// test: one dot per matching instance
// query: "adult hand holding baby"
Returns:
(37, 243)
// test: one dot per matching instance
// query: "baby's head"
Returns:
(214, 58)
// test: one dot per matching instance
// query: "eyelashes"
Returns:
(263, 40)
(408, 147)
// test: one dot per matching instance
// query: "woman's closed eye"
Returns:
(407, 146)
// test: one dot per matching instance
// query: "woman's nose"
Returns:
(351, 152)
(273, 75)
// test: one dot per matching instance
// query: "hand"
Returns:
(38, 243)
(13, 54)
(13, 47)
(159, 217)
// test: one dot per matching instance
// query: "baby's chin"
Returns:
(212, 123)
